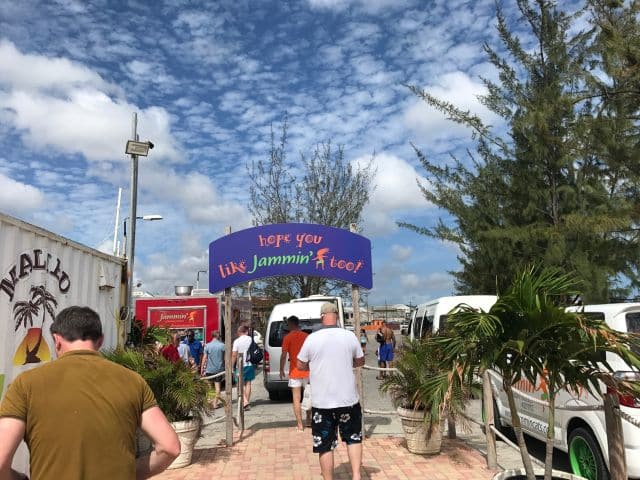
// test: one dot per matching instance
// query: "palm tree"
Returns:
(23, 313)
(41, 297)
(528, 335)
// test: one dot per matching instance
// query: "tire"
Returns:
(501, 427)
(585, 456)
(274, 395)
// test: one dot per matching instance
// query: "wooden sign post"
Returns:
(228, 385)
(355, 302)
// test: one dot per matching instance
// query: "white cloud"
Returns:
(398, 283)
(198, 196)
(410, 280)
(36, 72)
(370, 6)
(460, 90)
(395, 191)
(401, 252)
(59, 104)
(18, 197)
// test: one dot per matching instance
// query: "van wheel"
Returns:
(501, 427)
(585, 456)
(274, 395)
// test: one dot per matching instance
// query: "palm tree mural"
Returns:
(41, 297)
(23, 313)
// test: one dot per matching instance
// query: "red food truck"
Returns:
(202, 314)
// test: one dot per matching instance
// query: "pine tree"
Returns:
(541, 194)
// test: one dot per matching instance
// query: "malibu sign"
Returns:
(289, 249)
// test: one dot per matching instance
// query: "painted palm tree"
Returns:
(41, 297)
(23, 313)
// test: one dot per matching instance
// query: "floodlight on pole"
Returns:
(140, 149)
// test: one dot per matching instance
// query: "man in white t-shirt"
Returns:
(241, 345)
(183, 349)
(330, 354)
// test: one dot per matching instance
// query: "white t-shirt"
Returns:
(184, 352)
(241, 345)
(330, 353)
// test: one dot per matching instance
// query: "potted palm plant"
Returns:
(529, 335)
(424, 391)
(182, 397)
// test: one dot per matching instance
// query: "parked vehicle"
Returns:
(337, 301)
(308, 311)
(581, 434)
(428, 317)
(404, 328)
(42, 273)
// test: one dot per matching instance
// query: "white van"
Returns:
(581, 434)
(428, 317)
(337, 301)
(308, 311)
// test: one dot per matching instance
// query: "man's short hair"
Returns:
(243, 329)
(328, 307)
(190, 332)
(77, 323)
(293, 319)
(215, 334)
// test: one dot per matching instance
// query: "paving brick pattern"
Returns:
(285, 454)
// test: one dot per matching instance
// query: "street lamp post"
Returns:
(198, 278)
(135, 149)
(149, 218)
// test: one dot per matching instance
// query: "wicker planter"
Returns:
(188, 433)
(519, 473)
(416, 432)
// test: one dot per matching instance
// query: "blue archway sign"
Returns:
(289, 249)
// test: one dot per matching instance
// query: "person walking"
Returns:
(183, 350)
(213, 363)
(241, 345)
(363, 340)
(291, 345)
(380, 340)
(330, 354)
(195, 348)
(79, 413)
(387, 348)
(170, 351)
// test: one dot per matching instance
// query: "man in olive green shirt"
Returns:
(79, 413)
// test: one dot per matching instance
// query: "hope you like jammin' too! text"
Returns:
(322, 257)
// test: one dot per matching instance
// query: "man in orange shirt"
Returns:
(291, 345)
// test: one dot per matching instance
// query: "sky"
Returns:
(208, 80)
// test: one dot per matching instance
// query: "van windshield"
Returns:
(633, 322)
(279, 330)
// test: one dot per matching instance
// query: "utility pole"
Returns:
(115, 232)
(131, 242)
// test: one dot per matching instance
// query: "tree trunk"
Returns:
(517, 428)
(548, 458)
(451, 427)
(32, 355)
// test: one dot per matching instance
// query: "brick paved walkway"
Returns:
(284, 454)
